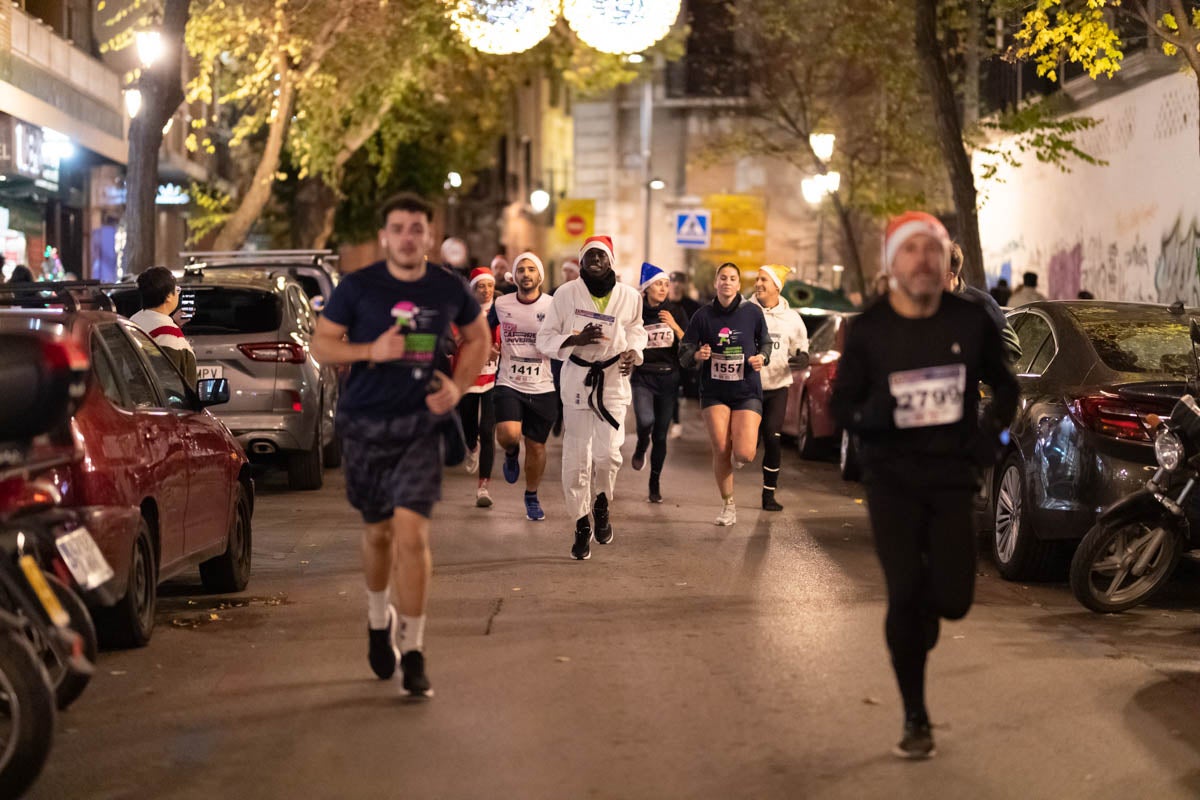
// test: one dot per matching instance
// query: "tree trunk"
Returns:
(162, 92)
(851, 242)
(233, 233)
(316, 203)
(950, 137)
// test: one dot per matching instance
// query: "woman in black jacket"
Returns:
(656, 380)
(731, 336)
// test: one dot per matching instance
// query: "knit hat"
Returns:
(650, 274)
(528, 255)
(777, 273)
(907, 225)
(598, 243)
(481, 274)
(571, 263)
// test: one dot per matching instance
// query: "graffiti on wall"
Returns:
(1066, 273)
(1177, 273)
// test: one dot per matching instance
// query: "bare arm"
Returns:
(329, 344)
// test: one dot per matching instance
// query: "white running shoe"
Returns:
(728, 516)
(676, 431)
(471, 462)
(482, 498)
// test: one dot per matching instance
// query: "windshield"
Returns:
(1149, 341)
(217, 310)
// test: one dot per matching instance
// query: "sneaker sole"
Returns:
(483, 502)
(901, 754)
(585, 557)
(416, 696)
(542, 518)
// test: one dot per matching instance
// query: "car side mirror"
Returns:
(799, 361)
(212, 391)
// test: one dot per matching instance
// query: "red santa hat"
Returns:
(530, 256)
(481, 274)
(603, 243)
(910, 224)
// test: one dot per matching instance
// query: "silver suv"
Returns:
(315, 270)
(254, 328)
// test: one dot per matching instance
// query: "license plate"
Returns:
(45, 594)
(83, 558)
(204, 373)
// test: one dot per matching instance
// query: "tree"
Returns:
(1084, 32)
(161, 87)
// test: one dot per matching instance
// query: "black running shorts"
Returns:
(536, 412)
(391, 463)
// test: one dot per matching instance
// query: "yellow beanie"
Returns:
(777, 272)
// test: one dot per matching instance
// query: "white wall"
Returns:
(1126, 231)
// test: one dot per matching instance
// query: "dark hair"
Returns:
(731, 265)
(155, 285)
(21, 274)
(1029, 279)
(956, 259)
(679, 277)
(1084, 294)
(405, 201)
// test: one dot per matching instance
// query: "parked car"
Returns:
(315, 270)
(1090, 373)
(165, 486)
(808, 416)
(255, 329)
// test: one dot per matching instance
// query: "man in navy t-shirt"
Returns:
(390, 321)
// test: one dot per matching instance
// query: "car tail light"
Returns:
(279, 352)
(64, 354)
(1109, 415)
(17, 494)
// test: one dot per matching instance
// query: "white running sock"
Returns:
(412, 633)
(377, 610)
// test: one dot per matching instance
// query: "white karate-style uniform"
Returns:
(591, 454)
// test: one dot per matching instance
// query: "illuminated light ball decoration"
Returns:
(504, 27)
(620, 26)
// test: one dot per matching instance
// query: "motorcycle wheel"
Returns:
(66, 684)
(1102, 576)
(26, 716)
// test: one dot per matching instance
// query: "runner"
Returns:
(477, 408)
(906, 385)
(789, 338)
(595, 325)
(525, 396)
(728, 338)
(389, 321)
(656, 381)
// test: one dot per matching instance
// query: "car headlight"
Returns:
(1168, 450)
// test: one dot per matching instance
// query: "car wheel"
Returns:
(808, 444)
(130, 622)
(230, 571)
(306, 471)
(69, 685)
(848, 458)
(1018, 553)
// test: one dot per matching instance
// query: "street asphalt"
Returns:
(681, 661)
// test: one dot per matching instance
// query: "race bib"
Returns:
(524, 371)
(727, 368)
(929, 396)
(584, 317)
(775, 339)
(659, 335)
(490, 368)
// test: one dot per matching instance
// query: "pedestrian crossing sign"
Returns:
(693, 229)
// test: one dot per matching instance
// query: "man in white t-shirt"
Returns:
(160, 297)
(526, 404)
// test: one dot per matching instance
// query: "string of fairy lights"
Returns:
(621, 27)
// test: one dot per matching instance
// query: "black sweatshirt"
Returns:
(737, 330)
(904, 413)
(661, 360)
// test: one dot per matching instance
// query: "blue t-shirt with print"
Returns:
(368, 302)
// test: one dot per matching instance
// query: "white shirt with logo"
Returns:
(522, 366)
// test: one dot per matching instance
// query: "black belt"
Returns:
(595, 381)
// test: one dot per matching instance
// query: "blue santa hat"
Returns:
(650, 274)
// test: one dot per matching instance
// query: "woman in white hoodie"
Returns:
(789, 338)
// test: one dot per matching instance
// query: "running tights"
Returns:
(478, 412)
(774, 406)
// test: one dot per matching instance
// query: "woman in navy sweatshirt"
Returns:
(731, 336)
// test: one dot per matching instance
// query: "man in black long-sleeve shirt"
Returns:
(907, 385)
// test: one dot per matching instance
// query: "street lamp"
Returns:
(657, 184)
(822, 145)
(133, 102)
(455, 180)
(149, 47)
(815, 189)
(539, 200)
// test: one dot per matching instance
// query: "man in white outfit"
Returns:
(595, 326)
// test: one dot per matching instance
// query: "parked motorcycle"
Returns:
(1135, 545)
(39, 614)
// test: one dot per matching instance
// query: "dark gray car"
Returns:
(1090, 372)
(254, 328)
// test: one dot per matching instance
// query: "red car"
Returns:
(809, 418)
(166, 485)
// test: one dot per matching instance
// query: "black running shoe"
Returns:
(416, 683)
(381, 649)
(917, 742)
(604, 531)
(582, 549)
(769, 501)
(639, 459)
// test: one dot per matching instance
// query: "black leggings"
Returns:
(654, 399)
(478, 412)
(774, 407)
(925, 540)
